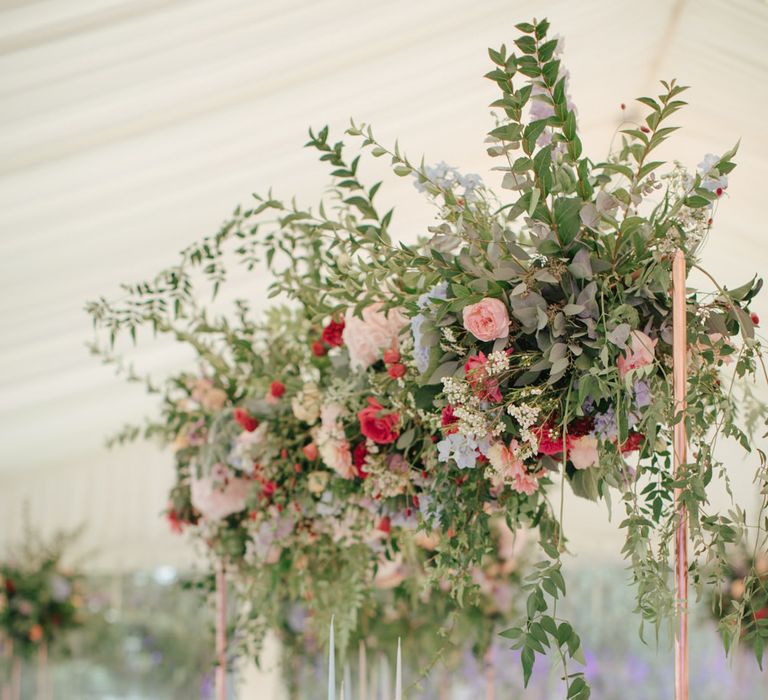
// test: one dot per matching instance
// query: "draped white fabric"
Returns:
(129, 129)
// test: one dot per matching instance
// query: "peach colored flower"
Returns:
(639, 353)
(219, 494)
(488, 319)
(508, 468)
(368, 337)
(336, 455)
(390, 572)
(583, 452)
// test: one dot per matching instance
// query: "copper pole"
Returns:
(221, 633)
(680, 445)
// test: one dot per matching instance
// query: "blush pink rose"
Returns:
(487, 320)
(583, 452)
(219, 494)
(368, 337)
(640, 353)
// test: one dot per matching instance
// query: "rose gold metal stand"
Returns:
(680, 375)
(221, 633)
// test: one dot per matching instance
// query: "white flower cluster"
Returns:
(457, 391)
(450, 342)
(526, 416)
(498, 362)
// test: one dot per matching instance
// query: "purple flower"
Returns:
(642, 393)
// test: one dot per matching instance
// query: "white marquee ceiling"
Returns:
(130, 128)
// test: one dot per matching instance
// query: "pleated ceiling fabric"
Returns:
(129, 129)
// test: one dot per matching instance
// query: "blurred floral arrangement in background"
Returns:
(41, 600)
(426, 390)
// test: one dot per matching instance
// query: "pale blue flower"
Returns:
(463, 449)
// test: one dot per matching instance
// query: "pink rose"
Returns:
(366, 338)
(640, 353)
(219, 494)
(583, 452)
(487, 320)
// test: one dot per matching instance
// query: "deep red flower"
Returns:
(277, 389)
(358, 459)
(268, 487)
(391, 356)
(755, 318)
(332, 333)
(550, 438)
(762, 613)
(486, 388)
(376, 425)
(719, 191)
(284, 453)
(580, 426)
(385, 524)
(448, 420)
(633, 442)
(396, 370)
(245, 419)
(318, 349)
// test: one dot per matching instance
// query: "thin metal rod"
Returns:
(680, 449)
(221, 633)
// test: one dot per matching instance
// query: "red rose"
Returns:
(376, 425)
(246, 420)
(358, 459)
(385, 524)
(318, 349)
(396, 371)
(332, 334)
(755, 318)
(761, 614)
(310, 451)
(277, 389)
(448, 420)
(391, 356)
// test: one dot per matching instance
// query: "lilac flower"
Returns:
(642, 393)
(447, 177)
(605, 424)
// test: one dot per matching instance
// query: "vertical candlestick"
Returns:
(680, 446)
(362, 664)
(399, 674)
(221, 632)
(331, 664)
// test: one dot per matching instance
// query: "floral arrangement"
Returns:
(524, 345)
(40, 600)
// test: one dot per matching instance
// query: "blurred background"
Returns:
(130, 128)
